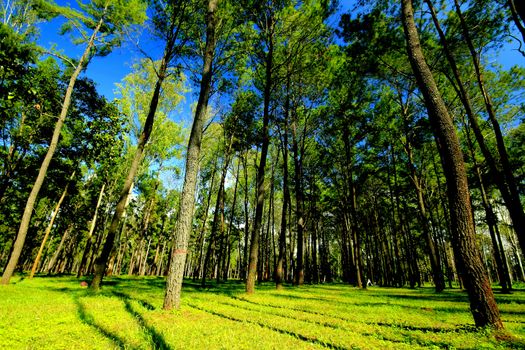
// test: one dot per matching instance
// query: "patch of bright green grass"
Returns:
(57, 313)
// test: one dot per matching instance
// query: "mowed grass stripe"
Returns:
(337, 337)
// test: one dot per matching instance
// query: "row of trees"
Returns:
(386, 150)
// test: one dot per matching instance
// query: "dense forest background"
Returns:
(316, 152)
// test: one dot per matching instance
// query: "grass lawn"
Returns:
(58, 313)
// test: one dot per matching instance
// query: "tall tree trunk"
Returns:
(31, 200)
(102, 260)
(244, 272)
(231, 225)
(482, 303)
(50, 226)
(217, 226)
(261, 190)
(183, 227)
(499, 176)
(433, 251)
(279, 272)
(299, 203)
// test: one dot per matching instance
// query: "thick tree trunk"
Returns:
(31, 200)
(482, 303)
(183, 227)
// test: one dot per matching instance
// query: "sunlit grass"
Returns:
(58, 313)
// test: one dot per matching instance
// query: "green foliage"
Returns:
(116, 16)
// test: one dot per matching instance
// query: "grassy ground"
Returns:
(58, 313)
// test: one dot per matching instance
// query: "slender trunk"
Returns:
(31, 200)
(261, 190)
(517, 12)
(299, 203)
(183, 227)
(490, 217)
(101, 263)
(356, 239)
(200, 241)
(54, 259)
(515, 208)
(244, 273)
(232, 218)
(50, 226)
(217, 226)
(279, 273)
(90, 233)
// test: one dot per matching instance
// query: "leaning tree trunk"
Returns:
(183, 228)
(517, 12)
(31, 200)
(49, 227)
(89, 239)
(50, 267)
(482, 303)
(102, 260)
(514, 205)
(508, 188)
(504, 279)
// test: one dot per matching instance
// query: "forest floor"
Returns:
(58, 313)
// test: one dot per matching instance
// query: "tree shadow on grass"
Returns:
(158, 341)
(275, 329)
(88, 320)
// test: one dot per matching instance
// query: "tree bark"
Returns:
(183, 227)
(482, 303)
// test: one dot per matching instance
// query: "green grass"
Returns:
(57, 313)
